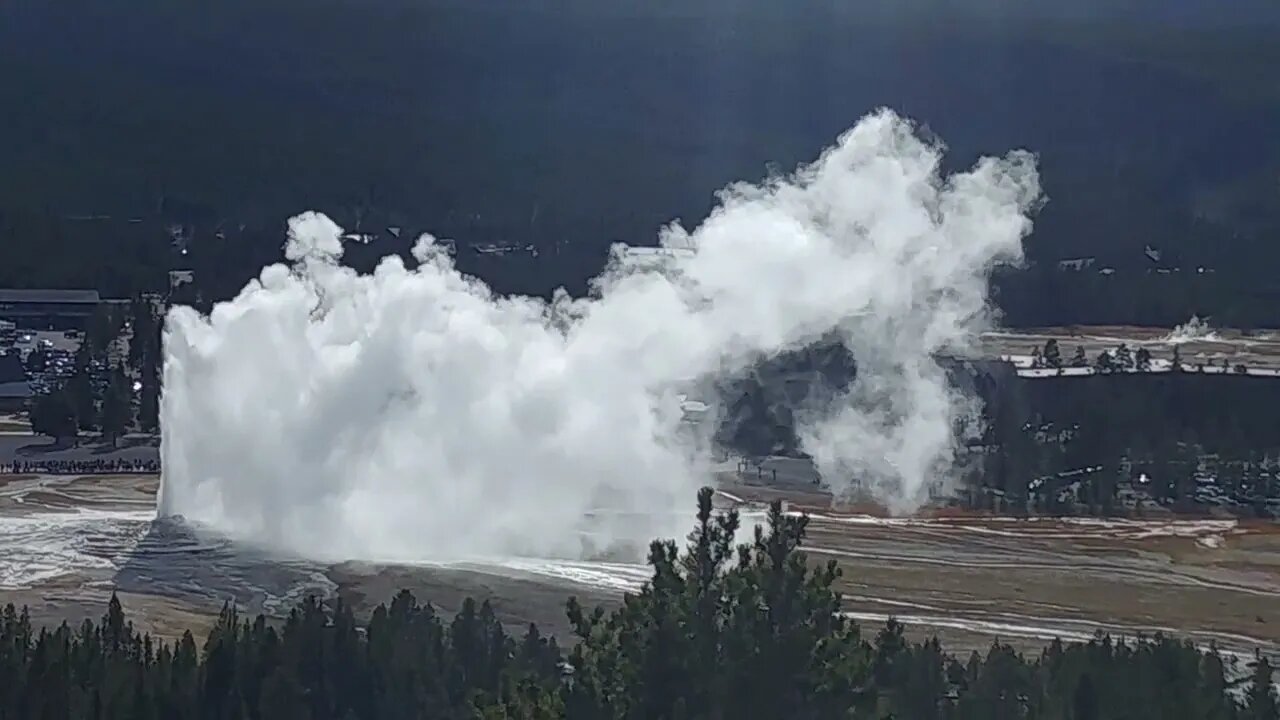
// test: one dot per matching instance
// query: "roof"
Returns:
(11, 369)
(50, 296)
(647, 253)
(20, 390)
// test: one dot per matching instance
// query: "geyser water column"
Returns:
(412, 414)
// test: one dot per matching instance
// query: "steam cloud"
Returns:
(412, 414)
(1194, 330)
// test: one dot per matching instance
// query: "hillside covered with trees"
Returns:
(718, 632)
(556, 129)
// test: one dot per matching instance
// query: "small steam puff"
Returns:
(411, 414)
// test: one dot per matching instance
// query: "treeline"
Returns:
(1223, 283)
(1107, 443)
(124, 257)
(718, 632)
(588, 125)
(97, 391)
(118, 257)
(1185, 441)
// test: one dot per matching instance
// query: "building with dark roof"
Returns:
(15, 390)
(15, 396)
(50, 309)
(11, 369)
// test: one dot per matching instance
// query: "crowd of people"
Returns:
(109, 466)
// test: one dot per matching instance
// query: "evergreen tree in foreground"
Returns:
(1262, 704)
(719, 635)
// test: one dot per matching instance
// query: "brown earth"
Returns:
(967, 579)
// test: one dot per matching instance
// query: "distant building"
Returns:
(15, 396)
(653, 258)
(693, 411)
(501, 250)
(1075, 264)
(178, 278)
(182, 290)
(51, 309)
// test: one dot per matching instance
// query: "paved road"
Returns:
(780, 471)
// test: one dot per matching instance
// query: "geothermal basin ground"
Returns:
(67, 542)
(1201, 348)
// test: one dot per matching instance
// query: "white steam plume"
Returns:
(410, 414)
(1194, 330)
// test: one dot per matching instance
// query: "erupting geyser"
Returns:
(411, 414)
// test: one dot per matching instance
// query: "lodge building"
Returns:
(51, 309)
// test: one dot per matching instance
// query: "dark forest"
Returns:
(558, 130)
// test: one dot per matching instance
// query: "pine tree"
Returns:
(760, 638)
(80, 390)
(149, 403)
(145, 359)
(1079, 359)
(117, 406)
(1052, 354)
(1261, 703)
(1142, 360)
(1084, 702)
(53, 414)
(142, 325)
(37, 361)
(1123, 357)
(714, 634)
(1105, 363)
(103, 328)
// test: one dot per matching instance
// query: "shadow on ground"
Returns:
(175, 560)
